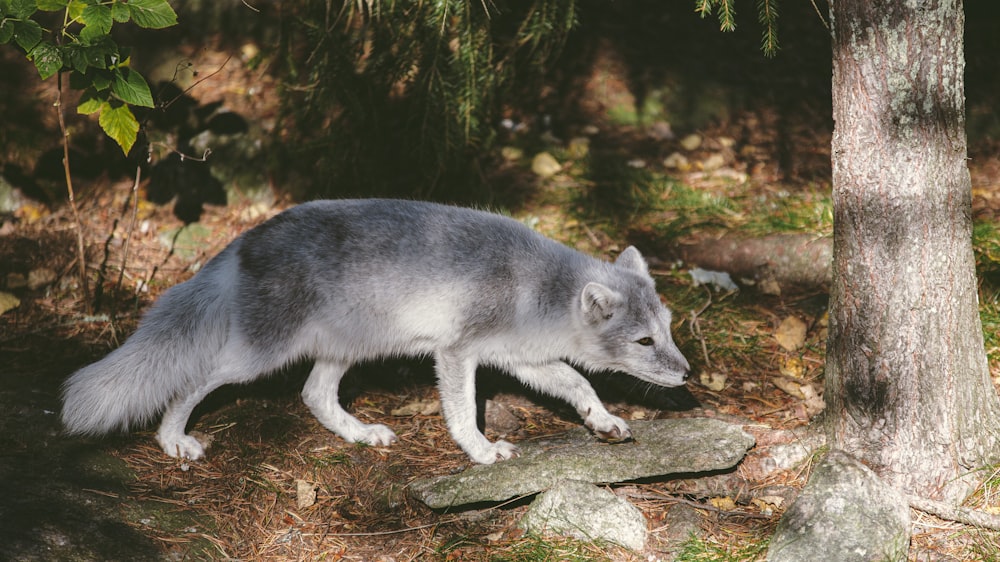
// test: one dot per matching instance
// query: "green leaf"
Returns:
(97, 23)
(6, 30)
(90, 102)
(120, 12)
(47, 58)
(52, 5)
(131, 88)
(102, 53)
(97, 78)
(27, 34)
(76, 57)
(101, 79)
(21, 9)
(75, 8)
(153, 14)
(120, 125)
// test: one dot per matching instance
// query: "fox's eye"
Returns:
(644, 341)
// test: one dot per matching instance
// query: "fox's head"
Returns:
(628, 328)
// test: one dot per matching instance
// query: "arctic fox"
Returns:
(342, 282)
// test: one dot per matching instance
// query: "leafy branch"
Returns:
(82, 45)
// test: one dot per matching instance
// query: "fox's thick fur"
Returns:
(347, 281)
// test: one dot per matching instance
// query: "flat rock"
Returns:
(545, 165)
(8, 302)
(659, 448)
(845, 513)
(584, 511)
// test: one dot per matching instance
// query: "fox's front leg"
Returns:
(457, 384)
(562, 381)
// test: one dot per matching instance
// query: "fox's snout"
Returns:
(679, 364)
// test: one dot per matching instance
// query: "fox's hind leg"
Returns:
(238, 366)
(320, 394)
(171, 434)
(562, 381)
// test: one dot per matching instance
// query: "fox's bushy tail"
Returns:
(171, 353)
(113, 395)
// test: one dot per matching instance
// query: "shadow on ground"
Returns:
(60, 498)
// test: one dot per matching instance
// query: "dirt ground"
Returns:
(121, 498)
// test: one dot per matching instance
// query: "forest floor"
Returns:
(620, 176)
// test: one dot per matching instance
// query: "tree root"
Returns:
(964, 515)
(775, 261)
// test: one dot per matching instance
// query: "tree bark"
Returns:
(907, 381)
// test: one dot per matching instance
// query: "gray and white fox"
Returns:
(342, 282)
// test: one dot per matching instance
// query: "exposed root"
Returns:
(964, 515)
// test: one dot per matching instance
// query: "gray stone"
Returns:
(584, 511)
(682, 522)
(237, 161)
(545, 165)
(10, 197)
(8, 302)
(660, 447)
(41, 277)
(188, 241)
(499, 418)
(845, 513)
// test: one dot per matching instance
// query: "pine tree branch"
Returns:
(767, 15)
(727, 15)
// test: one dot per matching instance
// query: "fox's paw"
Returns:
(608, 427)
(503, 450)
(376, 435)
(181, 446)
(496, 452)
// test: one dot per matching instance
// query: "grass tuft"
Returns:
(698, 549)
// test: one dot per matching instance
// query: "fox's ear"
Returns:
(632, 259)
(599, 302)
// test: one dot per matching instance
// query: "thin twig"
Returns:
(81, 253)
(590, 234)
(131, 226)
(695, 504)
(134, 195)
(196, 84)
(438, 523)
(820, 14)
(696, 328)
(102, 268)
(156, 268)
(184, 156)
(394, 531)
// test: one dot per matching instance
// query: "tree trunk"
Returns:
(907, 381)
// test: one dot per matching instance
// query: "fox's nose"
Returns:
(686, 367)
